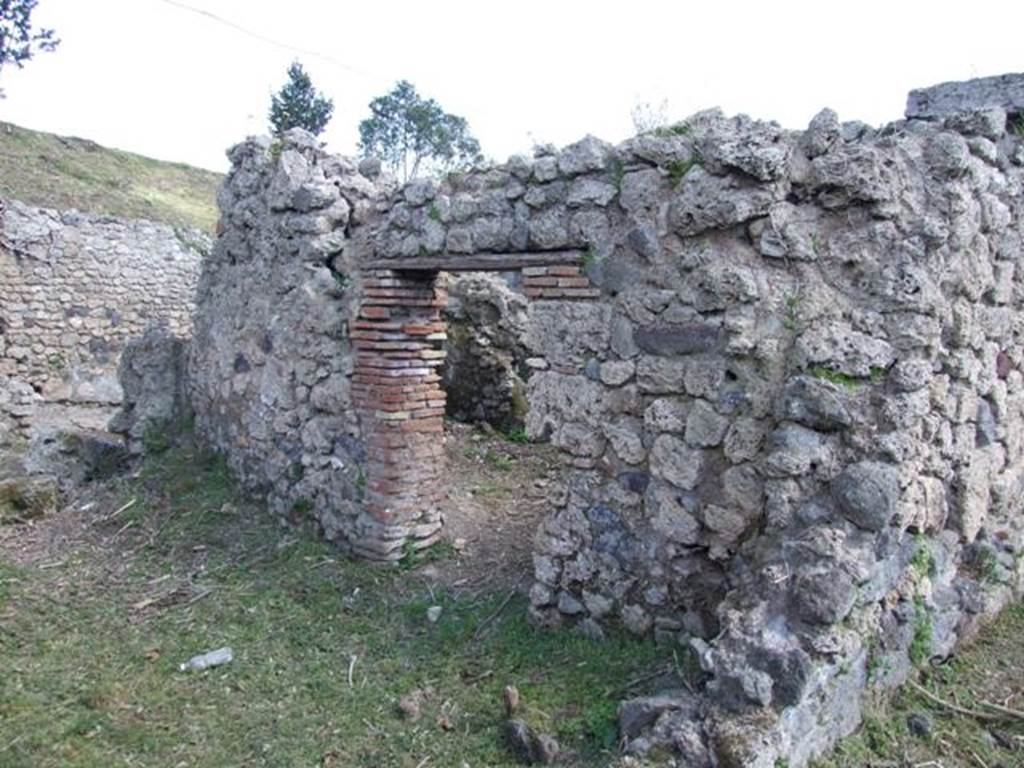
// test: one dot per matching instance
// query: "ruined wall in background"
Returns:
(74, 288)
(784, 369)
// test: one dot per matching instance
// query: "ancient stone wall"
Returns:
(74, 288)
(272, 362)
(784, 369)
(486, 357)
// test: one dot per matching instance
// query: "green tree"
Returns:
(18, 40)
(409, 133)
(299, 105)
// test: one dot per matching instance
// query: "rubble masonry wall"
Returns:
(784, 369)
(74, 288)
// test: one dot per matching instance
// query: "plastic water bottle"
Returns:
(207, 660)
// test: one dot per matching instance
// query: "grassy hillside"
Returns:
(58, 172)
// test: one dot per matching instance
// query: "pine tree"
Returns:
(299, 105)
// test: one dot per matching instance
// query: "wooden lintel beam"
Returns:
(475, 262)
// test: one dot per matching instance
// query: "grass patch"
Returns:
(923, 561)
(59, 172)
(1017, 126)
(516, 435)
(91, 681)
(845, 380)
(677, 169)
(676, 129)
(498, 461)
(989, 670)
(921, 642)
(413, 558)
(792, 319)
(836, 377)
(493, 491)
(616, 172)
(988, 566)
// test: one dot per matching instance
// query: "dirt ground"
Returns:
(500, 491)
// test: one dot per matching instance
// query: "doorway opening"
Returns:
(403, 390)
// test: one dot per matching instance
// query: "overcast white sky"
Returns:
(154, 77)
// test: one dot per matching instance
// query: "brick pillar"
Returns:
(397, 391)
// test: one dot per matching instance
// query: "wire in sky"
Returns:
(270, 40)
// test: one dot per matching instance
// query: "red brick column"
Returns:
(398, 339)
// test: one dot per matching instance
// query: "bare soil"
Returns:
(500, 492)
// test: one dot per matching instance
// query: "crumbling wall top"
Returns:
(947, 99)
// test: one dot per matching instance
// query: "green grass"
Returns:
(498, 461)
(676, 129)
(56, 172)
(88, 680)
(413, 558)
(616, 172)
(834, 376)
(989, 670)
(516, 435)
(923, 561)
(921, 642)
(677, 169)
(845, 380)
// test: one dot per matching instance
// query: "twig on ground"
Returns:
(351, 667)
(660, 671)
(13, 743)
(504, 603)
(1009, 712)
(119, 510)
(201, 594)
(146, 602)
(951, 706)
(121, 530)
(481, 676)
